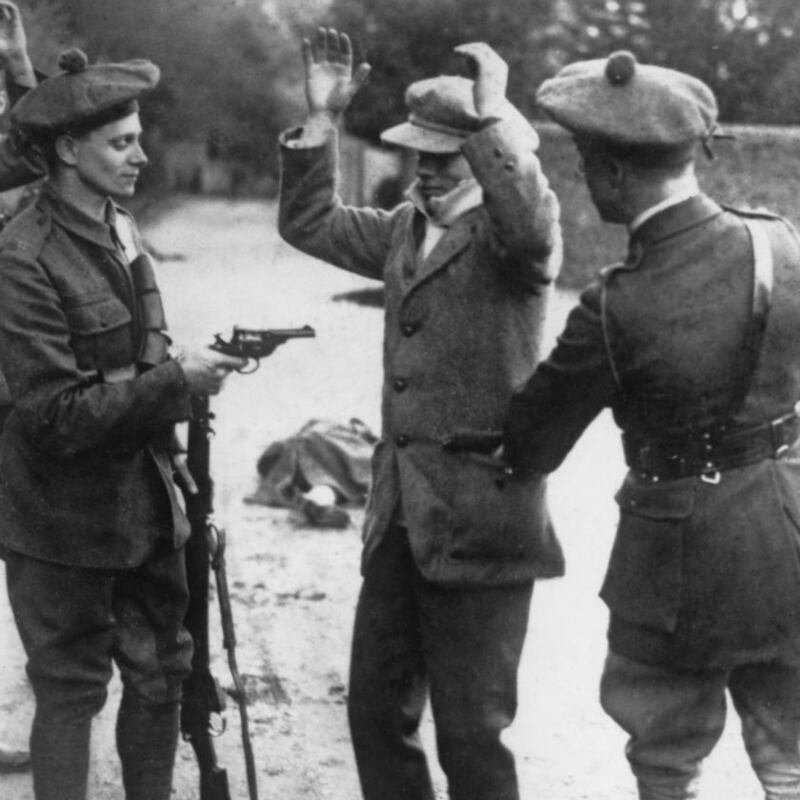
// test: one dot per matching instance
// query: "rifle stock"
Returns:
(202, 697)
(203, 700)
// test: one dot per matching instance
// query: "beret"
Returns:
(83, 96)
(628, 104)
(441, 116)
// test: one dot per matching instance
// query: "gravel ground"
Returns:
(294, 588)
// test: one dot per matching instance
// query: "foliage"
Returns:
(737, 47)
(746, 50)
(408, 41)
(218, 60)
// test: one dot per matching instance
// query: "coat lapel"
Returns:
(447, 248)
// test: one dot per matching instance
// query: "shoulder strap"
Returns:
(763, 278)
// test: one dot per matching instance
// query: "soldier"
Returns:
(450, 554)
(91, 526)
(694, 343)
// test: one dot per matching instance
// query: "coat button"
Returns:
(401, 440)
(400, 384)
(410, 328)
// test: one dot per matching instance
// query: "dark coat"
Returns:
(461, 330)
(700, 575)
(86, 479)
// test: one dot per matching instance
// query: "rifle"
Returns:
(203, 699)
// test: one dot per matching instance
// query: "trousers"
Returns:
(74, 622)
(460, 647)
(674, 718)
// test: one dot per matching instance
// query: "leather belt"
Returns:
(710, 451)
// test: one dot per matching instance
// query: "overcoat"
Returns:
(462, 328)
(705, 571)
(85, 477)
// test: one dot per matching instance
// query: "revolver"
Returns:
(257, 343)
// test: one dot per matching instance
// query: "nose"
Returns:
(425, 166)
(138, 156)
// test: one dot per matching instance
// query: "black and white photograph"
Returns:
(399, 400)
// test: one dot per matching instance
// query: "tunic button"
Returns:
(400, 384)
(401, 440)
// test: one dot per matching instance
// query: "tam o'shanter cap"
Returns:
(441, 116)
(622, 102)
(84, 96)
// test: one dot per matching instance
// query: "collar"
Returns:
(449, 207)
(672, 200)
(675, 218)
(79, 222)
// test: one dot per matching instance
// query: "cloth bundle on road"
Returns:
(321, 454)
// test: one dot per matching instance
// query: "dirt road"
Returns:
(294, 588)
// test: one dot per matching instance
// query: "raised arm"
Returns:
(311, 215)
(517, 195)
(15, 170)
(14, 57)
(330, 81)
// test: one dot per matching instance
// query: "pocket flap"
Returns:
(667, 500)
(97, 316)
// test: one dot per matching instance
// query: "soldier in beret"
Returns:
(450, 551)
(693, 341)
(91, 525)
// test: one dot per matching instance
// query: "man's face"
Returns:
(108, 159)
(440, 173)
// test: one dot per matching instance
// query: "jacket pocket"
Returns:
(494, 516)
(645, 573)
(100, 332)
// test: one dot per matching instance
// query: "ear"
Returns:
(65, 147)
(616, 172)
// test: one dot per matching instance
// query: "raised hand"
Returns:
(14, 45)
(330, 81)
(490, 73)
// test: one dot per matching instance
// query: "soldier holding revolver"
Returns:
(450, 551)
(90, 522)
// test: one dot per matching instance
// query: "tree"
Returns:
(737, 47)
(408, 41)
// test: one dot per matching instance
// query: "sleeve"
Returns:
(565, 393)
(15, 169)
(312, 218)
(63, 410)
(523, 208)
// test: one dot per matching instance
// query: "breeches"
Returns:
(675, 717)
(74, 622)
(460, 646)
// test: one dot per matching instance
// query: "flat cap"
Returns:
(82, 97)
(441, 116)
(628, 104)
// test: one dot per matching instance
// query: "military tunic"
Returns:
(702, 574)
(86, 479)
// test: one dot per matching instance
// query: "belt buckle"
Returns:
(711, 477)
(779, 447)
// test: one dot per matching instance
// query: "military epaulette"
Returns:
(753, 213)
(26, 233)
(608, 272)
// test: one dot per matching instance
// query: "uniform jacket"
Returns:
(461, 329)
(85, 478)
(700, 574)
